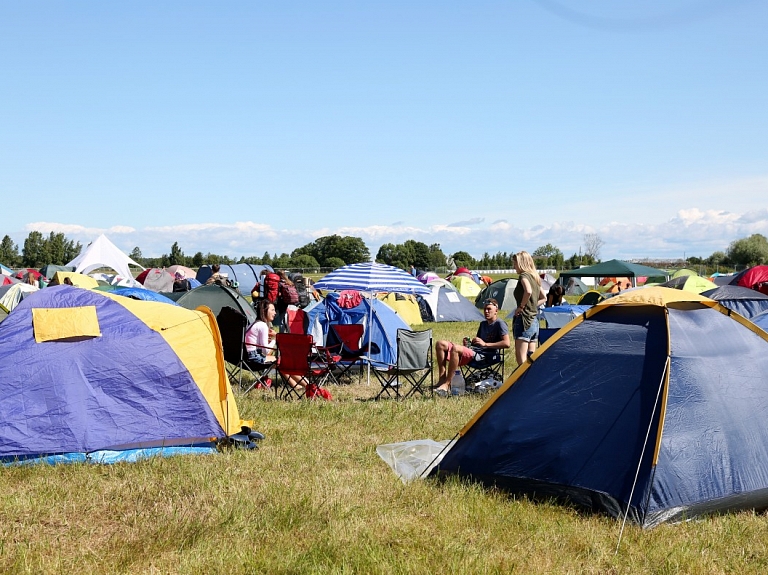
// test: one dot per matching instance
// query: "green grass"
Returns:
(317, 499)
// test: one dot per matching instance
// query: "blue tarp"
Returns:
(142, 294)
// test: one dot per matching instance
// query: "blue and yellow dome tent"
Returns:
(650, 404)
(87, 376)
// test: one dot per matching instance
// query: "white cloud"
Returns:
(465, 223)
(691, 231)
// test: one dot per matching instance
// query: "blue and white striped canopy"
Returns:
(372, 277)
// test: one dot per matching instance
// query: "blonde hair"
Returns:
(524, 261)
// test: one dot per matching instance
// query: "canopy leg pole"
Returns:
(370, 338)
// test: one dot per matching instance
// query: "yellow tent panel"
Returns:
(466, 286)
(194, 336)
(404, 305)
(78, 280)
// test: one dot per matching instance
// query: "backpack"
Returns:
(271, 286)
(288, 294)
(303, 294)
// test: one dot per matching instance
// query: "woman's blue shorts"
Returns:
(530, 334)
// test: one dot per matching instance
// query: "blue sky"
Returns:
(244, 127)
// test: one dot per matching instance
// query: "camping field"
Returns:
(315, 498)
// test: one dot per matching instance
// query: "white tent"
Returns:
(102, 253)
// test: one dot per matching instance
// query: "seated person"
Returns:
(216, 276)
(180, 282)
(260, 340)
(492, 334)
(556, 296)
(260, 337)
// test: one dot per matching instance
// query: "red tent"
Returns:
(754, 278)
(21, 273)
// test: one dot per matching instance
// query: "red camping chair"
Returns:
(296, 320)
(296, 357)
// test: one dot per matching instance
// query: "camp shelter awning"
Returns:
(614, 268)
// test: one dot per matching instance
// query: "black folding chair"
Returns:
(414, 365)
(345, 343)
(233, 325)
(491, 366)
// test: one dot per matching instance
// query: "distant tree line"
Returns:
(335, 251)
(38, 251)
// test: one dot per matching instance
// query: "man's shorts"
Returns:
(519, 332)
(467, 354)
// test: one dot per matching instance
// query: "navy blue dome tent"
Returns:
(744, 301)
(651, 406)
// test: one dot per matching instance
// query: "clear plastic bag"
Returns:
(413, 459)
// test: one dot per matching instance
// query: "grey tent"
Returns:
(215, 297)
(502, 291)
(447, 304)
(242, 276)
(744, 301)
(50, 269)
(574, 286)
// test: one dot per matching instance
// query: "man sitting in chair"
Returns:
(493, 334)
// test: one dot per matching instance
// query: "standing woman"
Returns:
(528, 295)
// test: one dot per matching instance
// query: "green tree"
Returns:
(9, 252)
(334, 263)
(34, 254)
(407, 254)
(71, 251)
(436, 258)
(386, 254)
(213, 259)
(578, 260)
(463, 259)
(751, 251)
(177, 256)
(55, 247)
(548, 256)
(349, 249)
(283, 261)
(198, 260)
(136, 256)
(304, 261)
(418, 253)
(716, 260)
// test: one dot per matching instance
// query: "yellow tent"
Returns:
(78, 280)
(195, 337)
(466, 286)
(404, 305)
